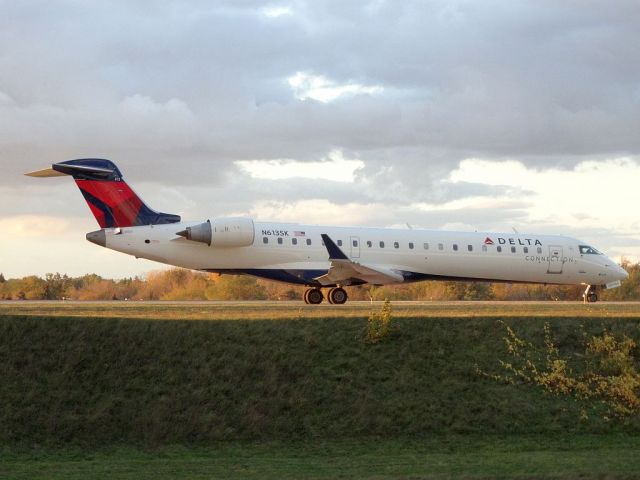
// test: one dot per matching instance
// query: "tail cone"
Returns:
(98, 237)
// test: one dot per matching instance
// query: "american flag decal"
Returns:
(298, 233)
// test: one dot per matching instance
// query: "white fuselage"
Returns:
(295, 253)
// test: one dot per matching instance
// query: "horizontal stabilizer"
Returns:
(45, 172)
(71, 169)
(79, 169)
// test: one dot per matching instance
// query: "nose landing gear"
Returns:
(336, 296)
(590, 295)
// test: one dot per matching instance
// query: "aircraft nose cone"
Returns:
(98, 237)
(623, 273)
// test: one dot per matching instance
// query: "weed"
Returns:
(379, 324)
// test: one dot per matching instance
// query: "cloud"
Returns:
(317, 87)
(592, 194)
(275, 11)
(335, 168)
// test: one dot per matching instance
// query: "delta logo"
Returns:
(513, 241)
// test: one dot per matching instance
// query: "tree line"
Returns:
(181, 284)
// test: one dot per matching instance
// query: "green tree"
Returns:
(56, 286)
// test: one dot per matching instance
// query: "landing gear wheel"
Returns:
(305, 296)
(337, 296)
(314, 296)
(590, 295)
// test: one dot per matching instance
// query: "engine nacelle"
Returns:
(222, 232)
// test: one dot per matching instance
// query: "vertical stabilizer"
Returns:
(110, 199)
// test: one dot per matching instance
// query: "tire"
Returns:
(592, 298)
(305, 296)
(337, 296)
(330, 295)
(315, 296)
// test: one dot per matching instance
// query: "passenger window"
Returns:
(513, 249)
(440, 246)
(525, 249)
(470, 248)
(308, 241)
(539, 249)
(339, 243)
(426, 246)
(381, 244)
(265, 239)
(279, 240)
(294, 241)
(499, 248)
(455, 247)
(484, 248)
(369, 244)
(410, 245)
(355, 243)
(396, 245)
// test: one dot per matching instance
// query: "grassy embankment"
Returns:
(294, 398)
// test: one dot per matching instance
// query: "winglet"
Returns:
(334, 250)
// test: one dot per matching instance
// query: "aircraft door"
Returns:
(355, 247)
(555, 259)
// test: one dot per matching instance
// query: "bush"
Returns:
(379, 325)
(604, 379)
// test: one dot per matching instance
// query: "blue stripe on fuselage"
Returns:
(306, 277)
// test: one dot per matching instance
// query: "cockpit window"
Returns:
(587, 250)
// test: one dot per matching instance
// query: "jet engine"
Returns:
(222, 232)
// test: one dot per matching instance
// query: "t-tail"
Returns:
(111, 200)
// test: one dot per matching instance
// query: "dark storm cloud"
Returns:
(180, 90)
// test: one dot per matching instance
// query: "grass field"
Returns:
(472, 457)
(87, 392)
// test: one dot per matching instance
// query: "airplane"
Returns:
(327, 257)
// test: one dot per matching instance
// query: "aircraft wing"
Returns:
(347, 272)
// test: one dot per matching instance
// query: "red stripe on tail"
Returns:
(117, 196)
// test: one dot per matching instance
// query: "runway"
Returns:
(287, 310)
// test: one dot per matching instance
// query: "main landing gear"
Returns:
(590, 295)
(336, 296)
(313, 296)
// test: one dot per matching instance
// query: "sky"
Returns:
(459, 115)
